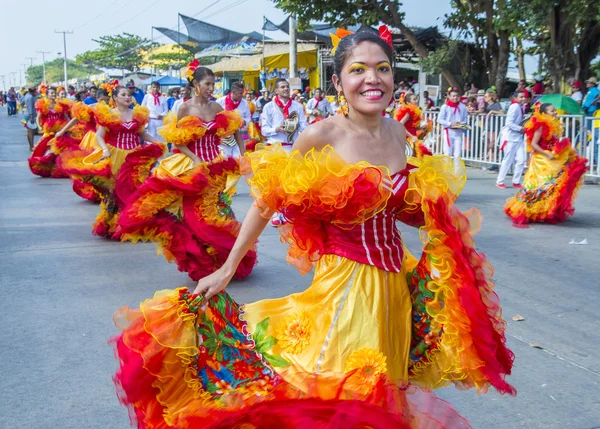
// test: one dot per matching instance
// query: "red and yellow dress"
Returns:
(183, 207)
(254, 136)
(354, 348)
(84, 132)
(42, 161)
(124, 171)
(413, 127)
(550, 185)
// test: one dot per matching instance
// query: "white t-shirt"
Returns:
(577, 96)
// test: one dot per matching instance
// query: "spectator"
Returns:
(472, 105)
(428, 103)
(137, 94)
(262, 100)
(71, 92)
(591, 98)
(186, 95)
(576, 93)
(11, 101)
(538, 88)
(481, 104)
(91, 98)
(156, 103)
(28, 104)
(173, 97)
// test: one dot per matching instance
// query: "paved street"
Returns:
(60, 287)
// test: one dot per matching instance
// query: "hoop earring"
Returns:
(342, 103)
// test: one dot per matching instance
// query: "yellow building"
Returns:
(277, 61)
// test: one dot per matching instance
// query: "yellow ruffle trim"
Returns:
(82, 112)
(191, 128)
(551, 127)
(110, 119)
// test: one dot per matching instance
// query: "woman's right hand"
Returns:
(211, 285)
(106, 153)
(59, 134)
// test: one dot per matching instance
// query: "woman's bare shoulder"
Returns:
(318, 135)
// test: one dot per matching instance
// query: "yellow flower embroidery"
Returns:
(293, 333)
(368, 365)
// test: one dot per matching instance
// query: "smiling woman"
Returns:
(375, 325)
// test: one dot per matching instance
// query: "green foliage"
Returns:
(171, 60)
(342, 13)
(55, 71)
(124, 51)
(440, 58)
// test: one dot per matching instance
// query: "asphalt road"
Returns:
(60, 287)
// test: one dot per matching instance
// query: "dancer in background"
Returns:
(183, 207)
(375, 324)
(409, 114)
(554, 175)
(52, 116)
(120, 164)
(513, 143)
(453, 118)
(71, 162)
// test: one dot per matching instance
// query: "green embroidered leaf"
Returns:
(275, 361)
(259, 332)
(266, 344)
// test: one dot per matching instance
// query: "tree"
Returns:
(124, 51)
(343, 13)
(570, 39)
(55, 71)
(167, 57)
(491, 24)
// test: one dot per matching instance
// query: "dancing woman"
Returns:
(554, 175)
(82, 128)
(183, 206)
(373, 320)
(121, 163)
(52, 115)
(409, 114)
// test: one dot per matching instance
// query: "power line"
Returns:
(133, 17)
(97, 16)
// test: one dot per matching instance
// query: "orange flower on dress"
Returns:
(293, 333)
(367, 365)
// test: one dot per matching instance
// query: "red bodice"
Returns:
(377, 241)
(124, 135)
(207, 147)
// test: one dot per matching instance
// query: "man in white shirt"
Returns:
(513, 143)
(576, 94)
(235, 101)
(157, 105)
(271, 120)
(186, 94)
(277, 111)
(318, 106)
(452, 114)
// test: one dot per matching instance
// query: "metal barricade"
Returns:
(483, 141)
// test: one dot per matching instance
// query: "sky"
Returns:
(23, 34)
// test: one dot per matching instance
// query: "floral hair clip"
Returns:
(191, 68)
(384, 33)
(43, 88)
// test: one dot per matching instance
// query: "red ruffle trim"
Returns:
(198, 243)
(87, 191)
(42, 162)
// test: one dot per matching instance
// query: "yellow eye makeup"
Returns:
(355, 67)
(383, 65)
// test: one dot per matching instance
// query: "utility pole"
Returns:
(25, 68)
(14, 78)
(3, 82)
(24, 73)
(43, 63)
(64, 33)
(293, 48)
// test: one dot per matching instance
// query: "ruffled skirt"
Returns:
(42, 161)
(549, 189)
(335, 355)
(183, 209)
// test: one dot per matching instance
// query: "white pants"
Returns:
(514, 153)
(230, 151)
(153, 126)
(453, 146)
